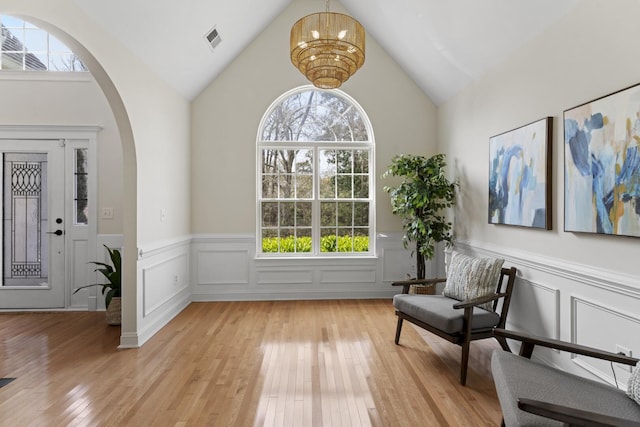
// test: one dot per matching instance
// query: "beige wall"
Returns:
(589, 53)
(72, 102)
(225, 119)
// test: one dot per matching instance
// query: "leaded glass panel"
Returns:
(25, 219)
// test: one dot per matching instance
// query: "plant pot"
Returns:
(114, 312)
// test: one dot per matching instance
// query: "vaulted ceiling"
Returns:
(443, 45)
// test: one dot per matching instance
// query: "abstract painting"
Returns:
(602, 165)
(520, 176)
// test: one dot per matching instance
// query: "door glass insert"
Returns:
(25, 219)
(81, 195)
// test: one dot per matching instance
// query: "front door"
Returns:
(33, 224)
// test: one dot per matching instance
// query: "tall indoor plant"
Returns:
(420, 200)
(112, 289)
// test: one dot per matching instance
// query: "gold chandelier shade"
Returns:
(327, 48)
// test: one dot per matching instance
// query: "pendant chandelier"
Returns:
(327, 48)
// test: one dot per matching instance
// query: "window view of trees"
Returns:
(315, 165)
(25, 47)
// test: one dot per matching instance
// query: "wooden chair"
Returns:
(531, 393)
(459, 322)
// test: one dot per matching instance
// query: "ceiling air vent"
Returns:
(213, 37)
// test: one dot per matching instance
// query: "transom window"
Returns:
(315, 176)
(26, 47)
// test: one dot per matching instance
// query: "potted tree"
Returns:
(420, 199)
(112, 289)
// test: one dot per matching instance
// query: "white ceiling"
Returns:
(443, 45)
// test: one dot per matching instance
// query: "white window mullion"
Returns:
(315, 210)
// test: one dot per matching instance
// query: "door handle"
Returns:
(57, 232)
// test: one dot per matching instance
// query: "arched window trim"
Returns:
(370, 146)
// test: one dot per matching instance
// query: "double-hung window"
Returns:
(315, 176)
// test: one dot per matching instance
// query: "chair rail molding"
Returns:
(609, 280)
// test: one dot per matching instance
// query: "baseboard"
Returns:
(288, 296)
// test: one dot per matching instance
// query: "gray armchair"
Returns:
(533, 394)
(459, 322)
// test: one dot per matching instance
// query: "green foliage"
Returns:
(292, 244)
(113, 274)
(420, 199)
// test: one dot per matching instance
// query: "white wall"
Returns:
(579, 287)
(225, 119)
(71, 101)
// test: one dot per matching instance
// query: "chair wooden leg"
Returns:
(466, 344)
(399, 329)
(464, 362)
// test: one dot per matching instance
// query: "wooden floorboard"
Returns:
(286, 363)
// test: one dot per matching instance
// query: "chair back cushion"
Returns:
(470, 277)
(633, 388)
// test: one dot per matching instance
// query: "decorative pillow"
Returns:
(633, 388)
(469, 277)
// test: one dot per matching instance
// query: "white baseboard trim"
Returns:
(161, 321)
(288, 296)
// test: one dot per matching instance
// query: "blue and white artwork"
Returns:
(602, 165)
(520, 175)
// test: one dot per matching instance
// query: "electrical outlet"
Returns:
(163, 215)
(627, 352)
(107, 213)
(175, 279)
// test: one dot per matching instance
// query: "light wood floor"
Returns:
(295, 363)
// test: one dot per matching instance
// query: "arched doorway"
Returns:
(129, 171)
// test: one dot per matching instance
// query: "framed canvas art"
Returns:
(602, 165)
(520, 176)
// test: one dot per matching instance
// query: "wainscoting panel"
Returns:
(342, 276)
(281, 276)
(162, 281)
(528, 301)
(226, 268)
(572, 302)
(222, 267)
(79, 276)
(615, 329)
(163, 273)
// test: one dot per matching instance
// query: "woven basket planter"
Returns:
(114, 312)
(422, 289)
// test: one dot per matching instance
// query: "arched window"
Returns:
(315, 176)
(25, 47)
